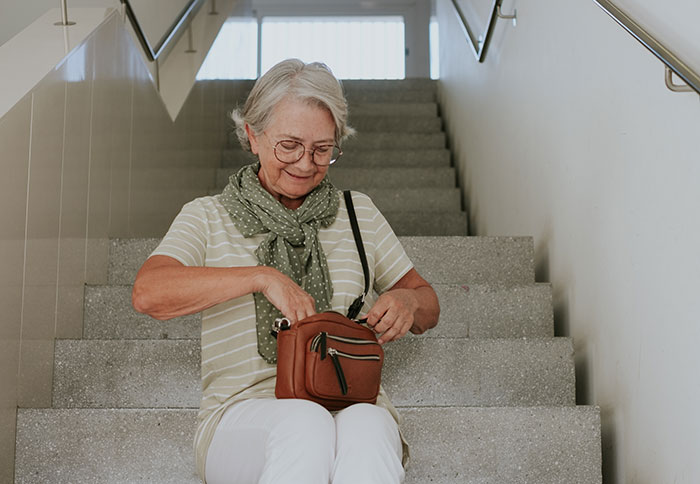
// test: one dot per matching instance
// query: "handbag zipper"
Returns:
(335, 354)
(321, 337)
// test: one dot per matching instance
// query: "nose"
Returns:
(306, 162)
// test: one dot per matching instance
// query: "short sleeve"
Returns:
(390, 260)
(186, 239)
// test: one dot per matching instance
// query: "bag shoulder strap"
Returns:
(356, 306)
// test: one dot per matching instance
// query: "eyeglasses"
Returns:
(290, 151)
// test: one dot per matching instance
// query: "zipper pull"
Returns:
(338, 370)
(323, 345)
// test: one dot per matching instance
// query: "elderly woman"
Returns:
(278, 242)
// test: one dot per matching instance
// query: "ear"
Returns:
(252, 139)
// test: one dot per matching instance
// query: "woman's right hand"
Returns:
(286, 295)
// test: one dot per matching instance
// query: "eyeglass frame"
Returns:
(313, 152)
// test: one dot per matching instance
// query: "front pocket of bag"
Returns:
(361, 370)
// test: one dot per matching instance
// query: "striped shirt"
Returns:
(203, 234)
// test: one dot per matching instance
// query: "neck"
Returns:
(290, 203)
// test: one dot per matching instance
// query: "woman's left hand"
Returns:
(393, 314)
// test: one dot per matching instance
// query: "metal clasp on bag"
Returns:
(280, 324)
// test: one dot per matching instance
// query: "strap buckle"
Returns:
(280, 324)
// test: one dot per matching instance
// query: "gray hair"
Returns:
(313, 83)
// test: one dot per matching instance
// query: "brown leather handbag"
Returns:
(329, 358)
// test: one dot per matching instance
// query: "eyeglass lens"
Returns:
(290, 151)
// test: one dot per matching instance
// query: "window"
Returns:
(353, 47)
(234, 53)
(434, 49)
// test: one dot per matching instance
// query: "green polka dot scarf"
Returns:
(291, 246)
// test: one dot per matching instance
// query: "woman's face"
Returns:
(308, 124)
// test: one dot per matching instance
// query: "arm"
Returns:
(410, 305)
(165, 288)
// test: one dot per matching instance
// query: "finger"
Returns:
(395, 332)
(388, 331)
(388, 320)
(377, 312)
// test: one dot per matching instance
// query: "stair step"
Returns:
(521, 445)
(426, 223)
(396, 124)
(382, 141)
(453, 222)
(428, 158)
(400, 95)
(163, 373)
(353, 96)
(500, 261)
(232, 88)
(504, 261)
(361, 123)
(126, 374)
(109, 315)
(482, 311)
(504, 445)
(466, 311)
(394, 109)
(412, 200)
(411, 83)
(352, 178)
(86, 446)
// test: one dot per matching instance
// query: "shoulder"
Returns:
(361, 201)
(208, 208)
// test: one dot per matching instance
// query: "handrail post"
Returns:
(64, 15)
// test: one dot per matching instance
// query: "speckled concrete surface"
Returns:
(396, 124)
(466, 311)
(126, 374)
(385, 141)
(366, 159)
(501, 261)
(506, 372)
(394, 109)
(383, 96)
(479, 311)
(473, 260)
(233, 90)
(89, 446)
(411, 200)
(417, 372)
(503, 445)
(414, 200)
(110, 315)
(361, 178)
(126, 256)
(449, 445)
(451, 222)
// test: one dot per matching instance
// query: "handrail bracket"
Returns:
(672, 85)
(513, 17)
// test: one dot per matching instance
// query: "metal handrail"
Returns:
(671, 60)
(479, 44)
(177, 28)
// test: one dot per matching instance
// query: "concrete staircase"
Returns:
(488, 396)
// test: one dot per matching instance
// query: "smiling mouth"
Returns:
(297, 177)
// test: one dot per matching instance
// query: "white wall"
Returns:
(89, 153)
(567, 133)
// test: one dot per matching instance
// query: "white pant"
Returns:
(291, 441)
